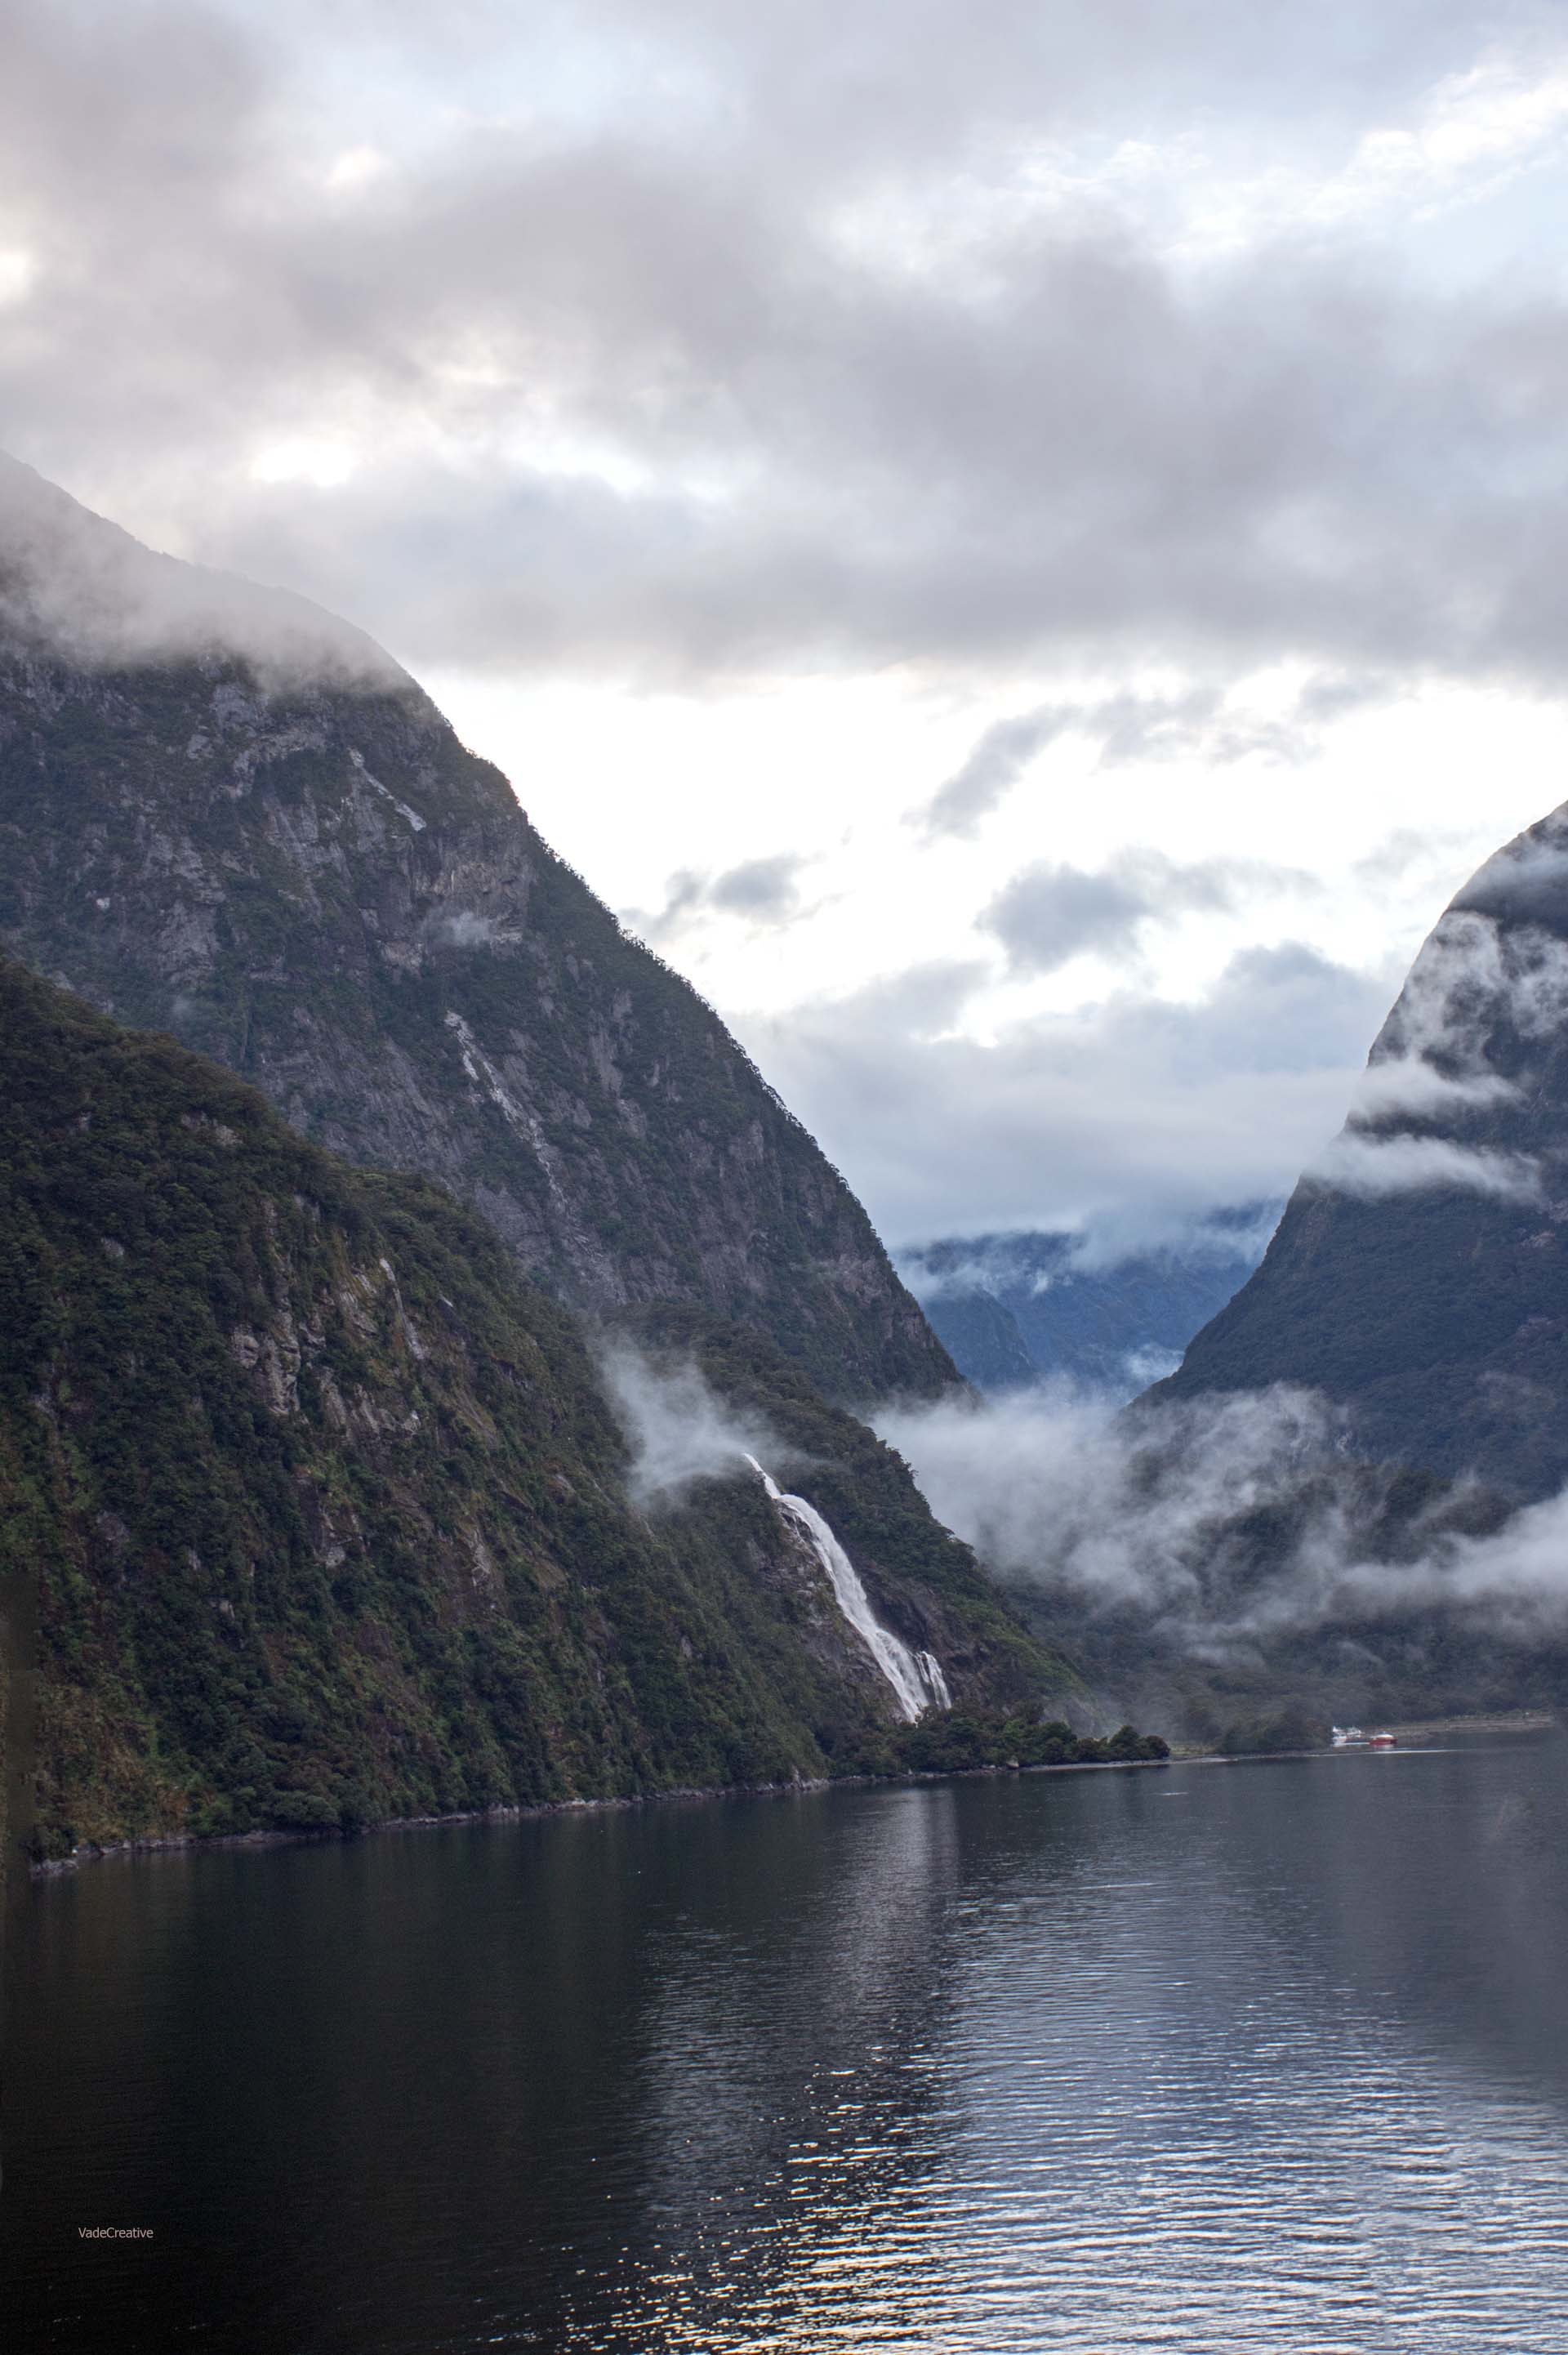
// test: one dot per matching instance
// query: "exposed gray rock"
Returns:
(269, 843)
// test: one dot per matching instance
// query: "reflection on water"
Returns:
(1213, 2058)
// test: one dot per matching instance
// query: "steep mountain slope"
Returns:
(226, 816)
(1016, 1308)
(975, 1325)
(325, 1512)
(1420, 1277)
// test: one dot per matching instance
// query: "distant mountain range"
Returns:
(1014, 1309)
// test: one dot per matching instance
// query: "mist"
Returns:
(678, 1430)
(76, 585)
(1220, 1525)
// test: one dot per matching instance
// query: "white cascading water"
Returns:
(916, 1676)
(931, 1668)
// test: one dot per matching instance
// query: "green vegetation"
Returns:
(242, 869)
(1289, 1728)
(325, 1509)
(922, 1580)
(953, 1742)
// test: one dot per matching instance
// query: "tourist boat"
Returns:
(1346, 1737)
(1380, 1741)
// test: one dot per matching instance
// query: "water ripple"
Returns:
(1033, 2065)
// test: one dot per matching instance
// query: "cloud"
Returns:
(997, 761)
(678, 1431)
(1150, 1513)
(1050, 914)
(760, 892)
(1449, 1094)
(1522, 883)
(651, 342)
(74, 582)
(1135, 1113)
(1409, 1083)
(1233, 1239)
(1477, 981)
(1406, 1164)
(467, 930)
(1050, 1485)
(1128, 728)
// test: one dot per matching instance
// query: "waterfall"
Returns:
(916, 1678)
(931, 1669)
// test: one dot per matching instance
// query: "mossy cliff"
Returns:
(325, 1512)
(225, 816)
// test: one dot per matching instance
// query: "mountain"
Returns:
(320, 1513)
(974, 1325)
(1419, 1278)
(1013, 1309)
(229, 817)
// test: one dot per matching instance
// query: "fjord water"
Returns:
(1272, 2055)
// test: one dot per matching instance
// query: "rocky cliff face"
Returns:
(225, 816)
(322, 1514)
(1420, 1278)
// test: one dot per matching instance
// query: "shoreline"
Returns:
(1497, 1721)
(184, 1843)
(181, 1843)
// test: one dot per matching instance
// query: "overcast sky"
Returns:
(1023, 543)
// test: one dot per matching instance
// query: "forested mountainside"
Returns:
(1420, 1277)
(1013, 1309)
(229, 816)
(325, 1511)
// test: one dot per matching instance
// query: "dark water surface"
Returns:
(1258, 2057)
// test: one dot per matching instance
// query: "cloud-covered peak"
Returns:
(74, 582)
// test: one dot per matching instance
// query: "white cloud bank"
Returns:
(1142, 1514)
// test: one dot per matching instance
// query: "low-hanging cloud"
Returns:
(469, 928)
(1479, 976)
(1035, 1262)
(1413, 1085)
(1406, 1162)
(1149, 1514)
(75, 584)
(678, 1430)
(1452, 1091)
